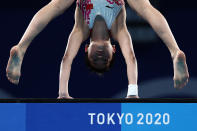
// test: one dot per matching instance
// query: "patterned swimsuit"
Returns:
(108, 9)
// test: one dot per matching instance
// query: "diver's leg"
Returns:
(38, 23)
(161, 27)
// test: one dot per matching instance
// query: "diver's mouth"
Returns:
(99, 52)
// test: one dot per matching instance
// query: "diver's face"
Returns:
(100, 54)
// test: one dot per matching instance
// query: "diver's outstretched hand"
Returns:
(65, 97)
(131, 97)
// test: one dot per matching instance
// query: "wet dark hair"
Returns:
(97, 70)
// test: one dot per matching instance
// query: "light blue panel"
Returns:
(12, 117)
(183, 116)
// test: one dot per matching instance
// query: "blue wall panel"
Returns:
(12, 117)
(74, 116)
(68, 116)
(182, 116)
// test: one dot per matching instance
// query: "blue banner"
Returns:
(98, 116)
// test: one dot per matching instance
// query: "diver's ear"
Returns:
(114, 48)
(86, 48)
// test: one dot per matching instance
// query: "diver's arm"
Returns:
(120, 33)
(126, 46)
(125, 42)
(74, 42)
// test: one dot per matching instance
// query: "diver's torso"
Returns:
(108, 9)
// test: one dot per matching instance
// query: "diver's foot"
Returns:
(14, 65)
(181, 74)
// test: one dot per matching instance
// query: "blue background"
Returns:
(74, 116)
(12, 117)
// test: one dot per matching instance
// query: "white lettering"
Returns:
(120, 117)
(110, 118)
(100, 118)
(91, 117)
(131, 118)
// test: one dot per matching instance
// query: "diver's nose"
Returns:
(100, 48)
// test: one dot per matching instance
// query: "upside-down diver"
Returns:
(100, 20)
